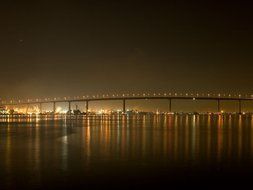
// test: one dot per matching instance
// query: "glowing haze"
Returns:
(71, 48)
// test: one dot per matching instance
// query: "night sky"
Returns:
(67, 48)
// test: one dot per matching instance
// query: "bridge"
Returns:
(125, 97)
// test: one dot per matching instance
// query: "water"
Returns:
(127, 152)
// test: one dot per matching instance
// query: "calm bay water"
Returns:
(127, 152)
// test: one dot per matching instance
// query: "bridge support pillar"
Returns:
(27, 108)
(218, 105)
(87, 107)
(240, 106)
(124, 105)
(54, 107)
(170, 106)
(40, 107)
(69, 108)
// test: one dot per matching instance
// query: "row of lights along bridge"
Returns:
(131, 95)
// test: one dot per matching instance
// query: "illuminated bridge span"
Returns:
(125, 97)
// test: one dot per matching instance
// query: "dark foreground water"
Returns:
(131, 152)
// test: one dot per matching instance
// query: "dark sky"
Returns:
(64, 48)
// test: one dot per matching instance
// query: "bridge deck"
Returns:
(130, 98)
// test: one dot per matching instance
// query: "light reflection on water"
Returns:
(46, 150)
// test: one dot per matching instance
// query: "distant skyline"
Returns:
(71, 48)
